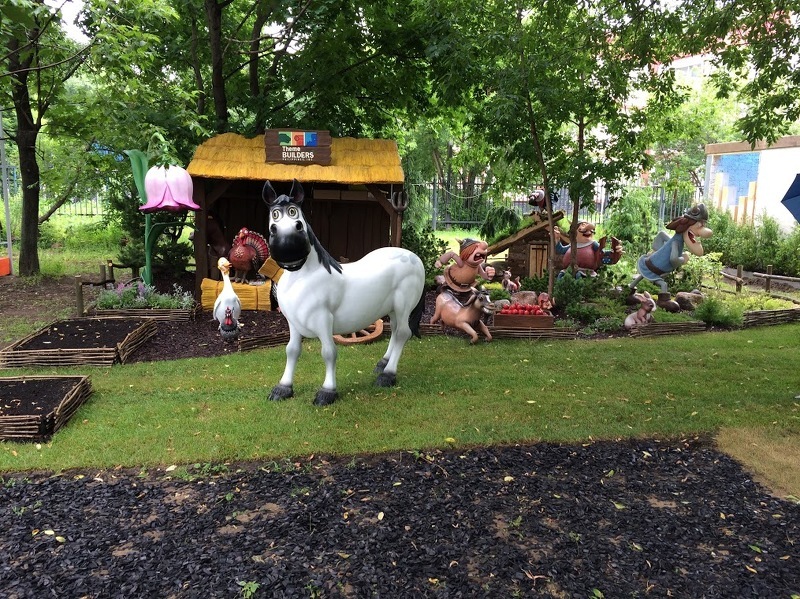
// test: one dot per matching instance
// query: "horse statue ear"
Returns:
(268, 194)
(297, 192)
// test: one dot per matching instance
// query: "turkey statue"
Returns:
(249, 251)
(227, 307)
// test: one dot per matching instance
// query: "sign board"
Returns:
(293, 146)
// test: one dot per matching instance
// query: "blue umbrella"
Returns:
(791, 199)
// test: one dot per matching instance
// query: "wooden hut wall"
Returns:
(241, 206)
(347, 229)
(350, 230)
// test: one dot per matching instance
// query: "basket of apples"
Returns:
(523, 316)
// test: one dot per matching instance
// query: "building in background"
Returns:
(751, 182)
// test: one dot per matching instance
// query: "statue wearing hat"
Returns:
(670, 253)
(468, 265)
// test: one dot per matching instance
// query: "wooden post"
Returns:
(768, 283)
(739, 279)
(79, 296)
(110, 267)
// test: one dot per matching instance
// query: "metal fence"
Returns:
(434, 205)
(87, 207)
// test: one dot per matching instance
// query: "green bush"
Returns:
(605, 324)
(498, 294)
(534, 283)
(49, 236)
(424, 243)
(787, 261)
(715, 312)
(691, 276)
(632, 221)
(754, 247)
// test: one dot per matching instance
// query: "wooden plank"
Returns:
(521, 235)
(667, 328)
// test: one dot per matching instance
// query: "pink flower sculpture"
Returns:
(168, 189)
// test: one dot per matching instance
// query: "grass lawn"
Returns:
(449, 394)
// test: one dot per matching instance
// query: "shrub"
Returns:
(139, 295)
(787, 261)
(498, 294)
(715, 312)
(424, 244)
(606, 324)
(691, 275)
(632, 221)
(534, 283)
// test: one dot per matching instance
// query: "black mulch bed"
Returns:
(82, 333)
(33, 396)
(630, 519)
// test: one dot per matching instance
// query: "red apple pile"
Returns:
(522, 310)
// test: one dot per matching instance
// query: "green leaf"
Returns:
(139, 163)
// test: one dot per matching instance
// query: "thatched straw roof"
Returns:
(353, 162)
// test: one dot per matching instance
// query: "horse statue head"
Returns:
(291, 240)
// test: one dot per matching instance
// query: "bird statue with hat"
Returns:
(670, 253)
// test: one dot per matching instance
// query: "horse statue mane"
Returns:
(297, 194)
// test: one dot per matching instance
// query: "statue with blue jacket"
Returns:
(670, 253)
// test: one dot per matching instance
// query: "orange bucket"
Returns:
(5, 266)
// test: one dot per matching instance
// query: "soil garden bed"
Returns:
(93, 341)
(33, 408)
(644, 518)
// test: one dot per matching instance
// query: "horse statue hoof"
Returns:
(386, 380)
(325, 397)
(381, 365)
(280, 392)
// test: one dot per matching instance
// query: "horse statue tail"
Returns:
(416, 315)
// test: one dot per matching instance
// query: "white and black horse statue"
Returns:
(320, 297)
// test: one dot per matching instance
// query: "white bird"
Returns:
(227, 306)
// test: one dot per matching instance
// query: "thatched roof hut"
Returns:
(356, 203)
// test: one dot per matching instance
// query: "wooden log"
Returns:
(776, 277)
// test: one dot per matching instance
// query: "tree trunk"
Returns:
(214, 22)
(196, 68)
(27, 132)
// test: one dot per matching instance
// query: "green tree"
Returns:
(35, 61)
(558, 82)
(679, 146)
(756, 45)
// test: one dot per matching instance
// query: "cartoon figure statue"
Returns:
(539, 203)
(468, 315)
(669, 253)
(591, 254)
(643, 315)
(460, 277)
(509, 284)
(545, 303)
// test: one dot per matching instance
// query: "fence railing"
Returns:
(454, 208)
(88, 207)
